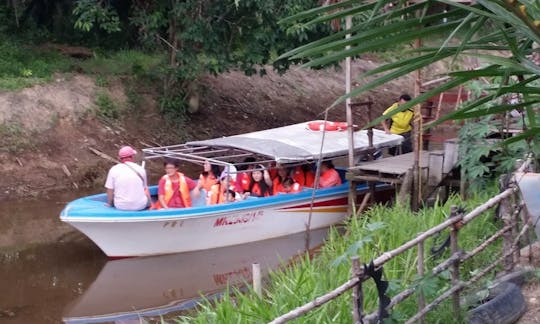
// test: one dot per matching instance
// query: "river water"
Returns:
(49, 273)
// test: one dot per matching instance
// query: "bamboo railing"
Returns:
(511, 207)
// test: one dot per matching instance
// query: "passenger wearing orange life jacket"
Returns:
(243, 178)
(291, 186)
(273, 170)
(304, 175)
(174, 188)
(219, 194)
(261, 184)
(282, 173)
(209, 176)
(224, 190)
(329, 176)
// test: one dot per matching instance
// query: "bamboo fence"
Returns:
(510, 208)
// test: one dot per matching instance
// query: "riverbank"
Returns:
(53, 129)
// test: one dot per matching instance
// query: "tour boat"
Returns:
(151, 232)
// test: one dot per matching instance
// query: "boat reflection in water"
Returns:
(159, 285)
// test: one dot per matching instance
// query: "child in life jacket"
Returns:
(290, 186)
(282, 173)
(225, 190)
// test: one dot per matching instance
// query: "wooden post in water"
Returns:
(257, 286)
(420, 269)
(357, 293)
(454, 270)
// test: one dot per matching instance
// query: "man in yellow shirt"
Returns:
(401, 125)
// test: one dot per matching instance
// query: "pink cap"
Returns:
(126, 151)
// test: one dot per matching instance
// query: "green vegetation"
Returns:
(124, 62)
(105, 107)
(170, 43)
(481, 30)
(14, 138)
(378, 230)
(25, 65)
(22, 65)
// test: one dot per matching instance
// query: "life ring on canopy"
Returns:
(328, 126)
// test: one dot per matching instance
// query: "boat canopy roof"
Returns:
(289, 144)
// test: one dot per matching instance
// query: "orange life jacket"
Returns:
(182, 187)
(244, 181)
(304, 178)
(329, 178)
(277, 186)
(273, 173)
(257, 192)
(207, 181)
(216, 195)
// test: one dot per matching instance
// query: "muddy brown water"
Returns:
(50, 273)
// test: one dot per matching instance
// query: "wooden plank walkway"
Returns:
(396, 165)
(434, 166)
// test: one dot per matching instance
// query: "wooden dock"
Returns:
(397, 170)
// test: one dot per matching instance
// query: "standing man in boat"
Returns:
(126, 183)
(400, 125)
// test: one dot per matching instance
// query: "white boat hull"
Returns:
(139, 237)
(127, 234)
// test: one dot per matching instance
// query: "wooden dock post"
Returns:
(420, 269)
(357, 293)
(504, 210)
(454, 270)
(257, 280)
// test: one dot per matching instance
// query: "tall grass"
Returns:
(379, 229)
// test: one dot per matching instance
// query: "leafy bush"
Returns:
(101, 81)
(14, 138)
(106, 107)
(482, 153)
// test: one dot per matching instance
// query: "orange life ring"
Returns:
(327, 126)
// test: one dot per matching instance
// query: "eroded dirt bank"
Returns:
(48, 131)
